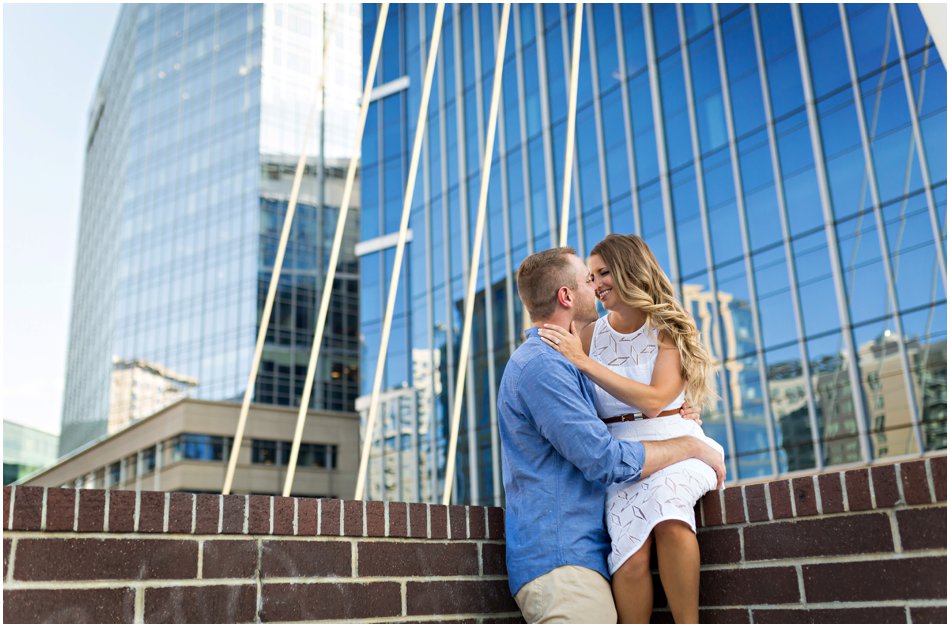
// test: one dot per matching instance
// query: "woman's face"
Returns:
(602, 280)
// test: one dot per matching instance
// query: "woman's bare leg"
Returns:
(677, 552)
(632, 585)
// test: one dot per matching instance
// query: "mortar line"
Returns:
(105, 511)
(167, 512)
(220, 512)
(139, 604)
(43, 511)
(138, 509)
(76, 510)
(296, 510)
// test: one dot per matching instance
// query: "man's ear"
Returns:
(564, 297)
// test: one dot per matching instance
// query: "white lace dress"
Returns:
(635, 507)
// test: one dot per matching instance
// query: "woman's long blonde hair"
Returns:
(641, 283)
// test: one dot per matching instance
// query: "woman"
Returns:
(645, 356)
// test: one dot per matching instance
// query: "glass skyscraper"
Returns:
(787, 165)
(193, 138)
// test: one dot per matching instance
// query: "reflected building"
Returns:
(730, 138)
(194, 134)
(140, 389)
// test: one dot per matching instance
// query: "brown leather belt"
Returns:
(639, 416)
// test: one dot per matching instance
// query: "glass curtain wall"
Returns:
(787, 165)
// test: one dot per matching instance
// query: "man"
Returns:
(558, 457)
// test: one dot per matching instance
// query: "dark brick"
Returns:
(832, 498)
(905, 579)
(719, 546)
(914, 481)
(330, 513)
(201, 604)
(723, 617)
(476, 522)
(884, 479)
(405, 559)
(923, 528)
(27, 508)
(353, 518)
(99, 605)
(7, 494)
(850, 615)
(84, 559)
(781, 498)
(438, 522)
(233, 506)
(284, 515)
(493, 559)
(938, 470)
(180, 510)
(418, 520)
(839, 535)
(748, 586)
(496, 523)
(307, 517)
(121, 511)
(735, 510)
(6, 556)
(326, 601)
(458, 597)
(755, 502)
(375, 519)
(207, 513)
(706, 617)
(398, 520)
(308, 558)
(151, 512)
(92, 510)
(806, 502)
(929, 615)
(60, 509)
(458, 522)
(712, 510)
(228, 559)
(258, 514)
(858, 486)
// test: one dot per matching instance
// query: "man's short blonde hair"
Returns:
(541, 275)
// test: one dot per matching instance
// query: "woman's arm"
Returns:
(665, 384)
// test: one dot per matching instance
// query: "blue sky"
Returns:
(52, 55)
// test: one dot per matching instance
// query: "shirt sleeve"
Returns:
(564, 417)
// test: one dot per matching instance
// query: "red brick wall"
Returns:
(95, 556)
(859, 546)
(865, 545)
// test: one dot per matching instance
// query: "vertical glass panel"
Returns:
(631, 16)
(885, 394)
(665, 32)
(744, 85)
(815, 285)
(917, 276)
(776, 311)
(689, 234)
(721, 202)
(788, 395)
(835, 406)
(827, 60)
(926, 341)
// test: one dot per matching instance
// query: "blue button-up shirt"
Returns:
(557, 460)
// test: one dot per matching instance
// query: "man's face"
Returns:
(585, 300)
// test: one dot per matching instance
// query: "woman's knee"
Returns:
(672, 529)
(636, 567)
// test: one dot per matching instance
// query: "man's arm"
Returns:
(665, 453)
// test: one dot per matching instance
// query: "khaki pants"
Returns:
(568, 594)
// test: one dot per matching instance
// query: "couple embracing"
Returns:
(602, 450)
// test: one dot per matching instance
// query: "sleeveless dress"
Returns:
(633, 508)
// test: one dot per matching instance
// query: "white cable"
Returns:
(571, 115)
(476, 253)
(335, 252)
(278, 265)
(400, 249)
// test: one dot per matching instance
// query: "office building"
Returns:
(25, 450)
(194, 134)
(736, 139)
(185, 447)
